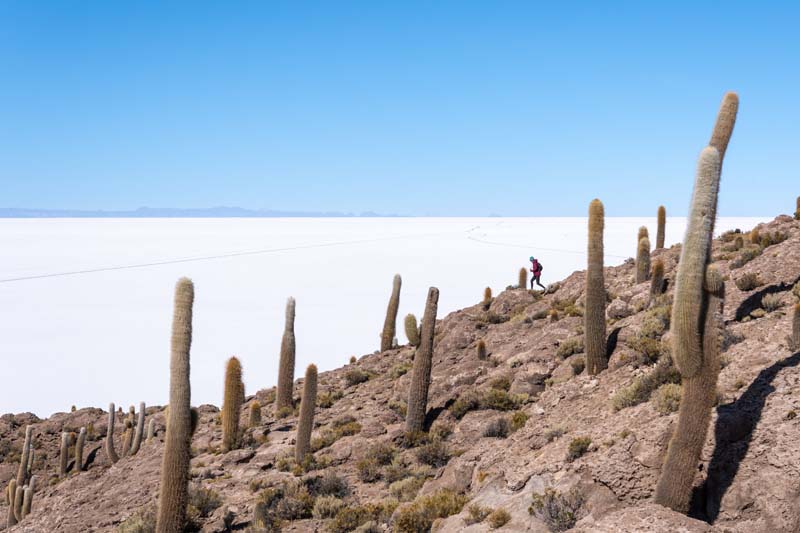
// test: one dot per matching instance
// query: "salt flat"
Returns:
(86, 304)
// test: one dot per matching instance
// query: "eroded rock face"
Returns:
(748, 472)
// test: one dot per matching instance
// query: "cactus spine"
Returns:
(643, 260)
(306, 422)
(423, 361)
(64, 454)
(255, 414)
(689, 298)
(657, 279)
(387, 335)
(412, 331)
(23, 473)
(232, 404)
(79, 450)
(137, 438)
(523, 278)
(283, 396)
(110, 451)
(174, 486)
(662, 223)
(595, 313)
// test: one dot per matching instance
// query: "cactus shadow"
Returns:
(733, 432)
(753, 302)
(611, 342)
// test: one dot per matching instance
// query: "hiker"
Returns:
(536, 269)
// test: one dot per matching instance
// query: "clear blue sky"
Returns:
(445, 108)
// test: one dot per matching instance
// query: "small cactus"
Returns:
(389, 324)
(595, 309)
(27, 501)
(19, 495)
(662, 223)
(174, 485)
(11, 493)
(657, 279)
(255, 414)
(127, 437)
(111, 453)
(23, 472)
(643, 260)
(481, 349)
(642, 234)
(137, 437)
(796, 328)
(283, 396)
(306, 421)
(487, 297)
(523, 278)
(423, 361)
(412, 331)
(79, 450)
(65, 440)
(151, 429)
(231, 404)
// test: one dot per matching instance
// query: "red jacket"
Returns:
(536, 268)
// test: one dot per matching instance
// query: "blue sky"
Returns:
(442, 108)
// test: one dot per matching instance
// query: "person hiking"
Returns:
(536, 269)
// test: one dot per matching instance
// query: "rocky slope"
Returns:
(586, 438)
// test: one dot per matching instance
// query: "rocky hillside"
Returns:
(522, 440)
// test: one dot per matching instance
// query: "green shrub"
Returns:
(368, 470)
(354, 376)
(552, 434)
(578, 365)
(344, 426)
(353, 516)
(518, 420)
(748, 281)
(745, 256)
(500, 383)
(202, 502)
(399, 407)
(667, 398)
(570, 347)
(642, 387)
(771, 302)
(295, 504)
(142, 521)
(326, 400)
(330, 484)
(498, 518)
(476, 514)
(465, 403)
(559, 511)
(578, 447)
(400, 369)
(326, 507)
(433, 454)
(418, 517)
(406, 489)
(498, 428)
(499, 400)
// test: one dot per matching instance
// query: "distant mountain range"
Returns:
(171, 212)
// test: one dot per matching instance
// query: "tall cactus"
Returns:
(688, 303)
(412, 331)
(306, 422)
(283, 396)
(643, 260)
(23, 472)
(387, 335)
(487, 298)
(595, 312)
(111, 453)
(698, 394)
(423, 362)
(79, 444)
(522, 282)
(232, 404)
(662, 224)
(657, 279)
(65, 441)
(137, 437)
(174, 486)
